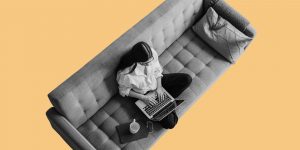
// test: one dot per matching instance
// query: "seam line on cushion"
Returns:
(207, 64)
(91, 118)
(202, 81)
(102, 121)
(203, 70)
(212, 71)
(113, 140)
(109, 116)
(194, 92)
(108, 137)
(189, 60)
(140, 144)
(82, 109)
(102, 131)
(183, 46)
(187, 69)
(173, 57)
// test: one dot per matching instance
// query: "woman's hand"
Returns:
(149, 100)
(160, 94)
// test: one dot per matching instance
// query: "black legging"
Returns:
(175, 84)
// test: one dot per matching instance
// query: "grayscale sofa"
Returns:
(87, 106)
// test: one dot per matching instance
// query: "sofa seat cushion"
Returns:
(190, 54)
(100, 129)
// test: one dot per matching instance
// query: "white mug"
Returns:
(134, 127)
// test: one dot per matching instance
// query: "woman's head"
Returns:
(140, 53)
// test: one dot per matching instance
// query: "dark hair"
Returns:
(140, 52)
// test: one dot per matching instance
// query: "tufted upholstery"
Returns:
(88, 106)
(90, 88)
(188, 54)
(100, 129)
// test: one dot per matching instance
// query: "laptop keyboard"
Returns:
(150, 110)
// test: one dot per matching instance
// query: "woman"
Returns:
(139, 72)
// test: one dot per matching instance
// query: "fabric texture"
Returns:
(175, 84)
(142, 79)
(221, 35)
(67, 131)
(228, 13)
(170, 121)
(89, 103)
(188, 54)
(90, 88)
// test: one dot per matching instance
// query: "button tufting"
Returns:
(104, 121)
(152, 39)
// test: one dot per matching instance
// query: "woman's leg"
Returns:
(175, 84)
(169, 121)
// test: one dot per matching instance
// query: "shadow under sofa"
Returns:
(87, 106)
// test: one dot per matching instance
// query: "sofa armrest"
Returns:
(67, 131)
(250, 31)
(231, 15)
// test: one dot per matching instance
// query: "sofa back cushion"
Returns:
(89, 89)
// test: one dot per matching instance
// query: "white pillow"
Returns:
(221, 35)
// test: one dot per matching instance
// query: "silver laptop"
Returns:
(161, 109)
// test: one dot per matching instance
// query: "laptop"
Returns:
(161, 109)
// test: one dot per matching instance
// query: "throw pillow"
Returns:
(221, 35)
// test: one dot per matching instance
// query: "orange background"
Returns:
(254, 105)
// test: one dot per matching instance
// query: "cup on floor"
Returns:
(134, 127)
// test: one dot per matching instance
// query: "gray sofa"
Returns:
(87, 106)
